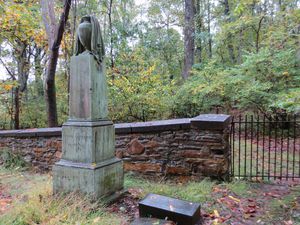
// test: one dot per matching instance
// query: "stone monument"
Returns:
(88, 162)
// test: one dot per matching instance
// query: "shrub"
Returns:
(12, 160)
(267, 81)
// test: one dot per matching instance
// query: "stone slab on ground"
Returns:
(162, 207)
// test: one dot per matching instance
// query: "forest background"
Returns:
(164, 58)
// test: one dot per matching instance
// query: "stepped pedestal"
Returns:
(88, 162)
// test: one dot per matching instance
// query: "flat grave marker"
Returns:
(162, 207)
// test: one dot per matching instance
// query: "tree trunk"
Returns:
(189, 39)
(198, 51)
(229, 38)
(208, 30)
(22, 58)
(112, 63)
(50, 93)
(239, 57)
(38, 70)
(258, 33)
(17, 108)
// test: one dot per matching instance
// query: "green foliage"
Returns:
(265, 77)
(20, 23)
(5, 102)
(252, 64)
(11, 160)
(137, 92)
(33, 113)
(289, 101)
(206, 89)
(267, 81)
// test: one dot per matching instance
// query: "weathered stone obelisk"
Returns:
(88, 162)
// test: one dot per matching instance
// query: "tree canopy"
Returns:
(164, 59)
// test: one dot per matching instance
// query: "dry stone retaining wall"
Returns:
(188, 147)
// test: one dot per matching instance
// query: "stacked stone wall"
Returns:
(188, 147)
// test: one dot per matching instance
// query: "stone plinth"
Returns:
(88, 142)
(96, 180)
(88, 162)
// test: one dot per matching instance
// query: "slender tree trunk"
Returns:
(208, 30)
(38, 72)
(23, 65)
(229, 38)
(258, 33)
(22, 58)
(189, 43)
(112, 63)
(279, 5)
(50, 93)
(198, 52)
(17, 108)
(239, 57)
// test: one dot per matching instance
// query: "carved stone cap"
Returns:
(211, 121)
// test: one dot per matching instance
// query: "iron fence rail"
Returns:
(265, 147)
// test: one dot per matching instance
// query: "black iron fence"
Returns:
(265, 148)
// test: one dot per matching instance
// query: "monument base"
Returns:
(96, 180)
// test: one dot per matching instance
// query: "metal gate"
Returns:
(265, 147)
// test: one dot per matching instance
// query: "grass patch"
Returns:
(241, 188)
(36, 204)
(192, 191)
(285, 208)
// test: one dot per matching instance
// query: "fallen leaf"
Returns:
(234, 199)
(96, 220)
(216, 213)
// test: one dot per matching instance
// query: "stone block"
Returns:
(177, 170)
(135, 147)
(193, 154)
(88, 142)
(210, 121)
(152, 144)
(142, 167)
(96, 180)
(88, 87)
(119, 154)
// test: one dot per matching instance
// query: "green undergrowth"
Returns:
(12, 160)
